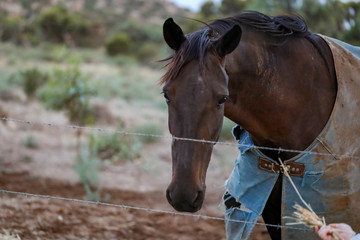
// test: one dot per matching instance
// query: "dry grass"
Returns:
(307, 216)
(8, 236)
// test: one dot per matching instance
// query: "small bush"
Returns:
(68, 90)
(118, 44)
(147, 51)
(226, 132)
(33, 79)
(3, 113)
(26, 158)
(57, 22)
(11, 29)
(9, 236)
(116, 147)
(30, 142)
(87, 168)
(149, 129)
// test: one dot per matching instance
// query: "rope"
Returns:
(171, 138)
(145, 209)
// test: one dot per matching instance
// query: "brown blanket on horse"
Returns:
(331, 180)
(341, 137)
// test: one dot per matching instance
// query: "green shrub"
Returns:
(87, 168)
(226, 132)
(31, 34)
(115, 147)
(30, 142)
(140, 32)
(3, 113)
(147, 52)
(57, 21)
(33, 79)
(11, 28)
(68, 90)
(118, 44)
(149, 129)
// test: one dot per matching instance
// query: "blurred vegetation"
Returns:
(88, 170)
(115, 147)
(68, 90)
(89, 28)
(226, 131)
(119, 43)
(148, 129)
(128, 34)
(30, 142)
(33, 79)
(58, 23)
(334, 18)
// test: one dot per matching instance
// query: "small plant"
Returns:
(57, 22)
(30, 142)
(116, 147)
(9, 236)
(117, 44)
(68, 90)
(11, 28)
(3, 113)
(33, 79)
(87, 168)
(149, 129)
(226, 132)
(25, 158)
(60, 53)
(147, 52)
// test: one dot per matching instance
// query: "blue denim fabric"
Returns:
(252, 186)
(249, 186)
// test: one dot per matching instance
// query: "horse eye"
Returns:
(166, 96)
(223, 100)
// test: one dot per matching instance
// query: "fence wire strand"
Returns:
(98, 203)
(171, 138)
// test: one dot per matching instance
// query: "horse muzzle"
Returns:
(185, 200)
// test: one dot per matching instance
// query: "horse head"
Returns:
(195, 89)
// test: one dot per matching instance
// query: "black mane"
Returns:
(279, 26)
(197, 43)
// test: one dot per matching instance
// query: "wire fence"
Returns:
(98, 203)
(170, 138)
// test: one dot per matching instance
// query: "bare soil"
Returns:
(49, 170)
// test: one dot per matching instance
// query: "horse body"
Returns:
(280, 87)
(281, 93)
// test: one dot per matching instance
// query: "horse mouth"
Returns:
(185, 206)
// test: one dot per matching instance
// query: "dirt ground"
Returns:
(49, 170)
(37, 218)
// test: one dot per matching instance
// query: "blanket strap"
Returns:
(293, 168)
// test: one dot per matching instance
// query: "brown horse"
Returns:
(271, 76)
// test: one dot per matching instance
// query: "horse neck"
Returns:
(274, 92)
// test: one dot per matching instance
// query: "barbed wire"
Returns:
(98, 203)
(171, 138)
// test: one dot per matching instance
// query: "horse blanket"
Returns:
(330, 182)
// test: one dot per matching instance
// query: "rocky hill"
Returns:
(153, 11)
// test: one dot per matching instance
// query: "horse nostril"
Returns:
(168, 196)
(198, 198)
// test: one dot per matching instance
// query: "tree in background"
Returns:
(231, 7)
(333, 17)
(208, 9)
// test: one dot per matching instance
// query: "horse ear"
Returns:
(173, 34)
(229, 41)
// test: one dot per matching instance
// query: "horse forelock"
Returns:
(194, 48)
